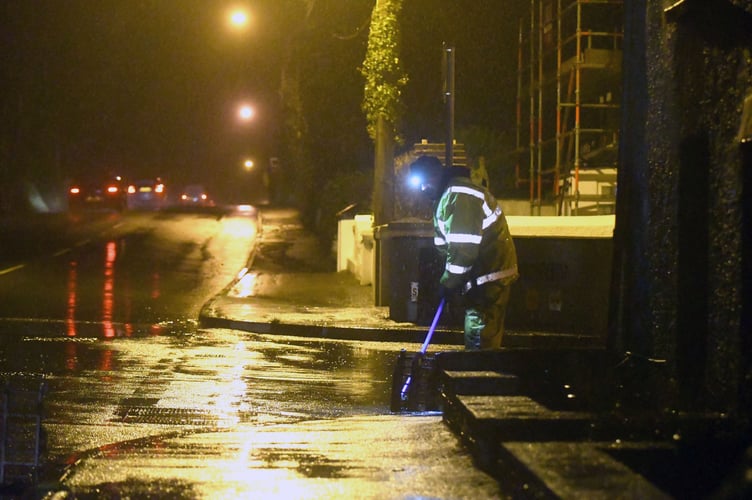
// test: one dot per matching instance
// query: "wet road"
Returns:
(143, 404)
(126, 269)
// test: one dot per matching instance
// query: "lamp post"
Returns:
(238, 20)
(246, 114)
(448, 67)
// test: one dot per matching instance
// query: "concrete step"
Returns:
(514, 418)
(555, 452)
(482, 382)
(549, 453)
(578, 470)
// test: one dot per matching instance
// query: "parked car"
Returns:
(98, 192)
(195, 195)
(147, 194)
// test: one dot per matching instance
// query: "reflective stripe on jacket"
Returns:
(472, 233)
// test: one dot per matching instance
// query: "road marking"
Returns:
(61, 252)
(82, 242)
(11, 269)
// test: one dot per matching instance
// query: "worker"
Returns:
(472, 235)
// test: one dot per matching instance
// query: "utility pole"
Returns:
(448, 66)
(383, 188)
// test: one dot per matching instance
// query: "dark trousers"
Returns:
(484, 317)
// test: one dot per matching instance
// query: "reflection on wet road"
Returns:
(228, 414)
(103, 393)
(140, 268)
(368, 457)
(143, 404)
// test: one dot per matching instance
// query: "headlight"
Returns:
(415, 181)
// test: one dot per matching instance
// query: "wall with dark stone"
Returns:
(680, 293)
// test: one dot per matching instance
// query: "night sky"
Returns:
(151, 87)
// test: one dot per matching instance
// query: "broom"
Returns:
(415, 365)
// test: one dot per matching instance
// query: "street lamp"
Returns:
(238, 18)
(248, 164)
(246, 112)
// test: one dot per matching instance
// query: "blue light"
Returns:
(415, 181)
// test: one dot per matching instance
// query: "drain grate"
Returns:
(165, 416)
(177, 416)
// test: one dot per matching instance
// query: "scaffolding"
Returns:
(569, 79)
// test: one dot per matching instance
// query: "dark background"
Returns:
(151, 87)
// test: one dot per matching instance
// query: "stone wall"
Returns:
(678, 296)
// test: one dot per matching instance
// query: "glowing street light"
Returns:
(246, 112)
(248, 164)
(239, 18)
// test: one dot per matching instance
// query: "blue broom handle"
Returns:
(433, 326)
(403, 392)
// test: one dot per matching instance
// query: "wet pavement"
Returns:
(352, 457)
(289, 287)
(549, 433)
(225, 414)
(520, 422)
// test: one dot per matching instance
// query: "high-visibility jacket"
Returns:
(473, 235)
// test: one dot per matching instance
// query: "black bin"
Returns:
(407, 265)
